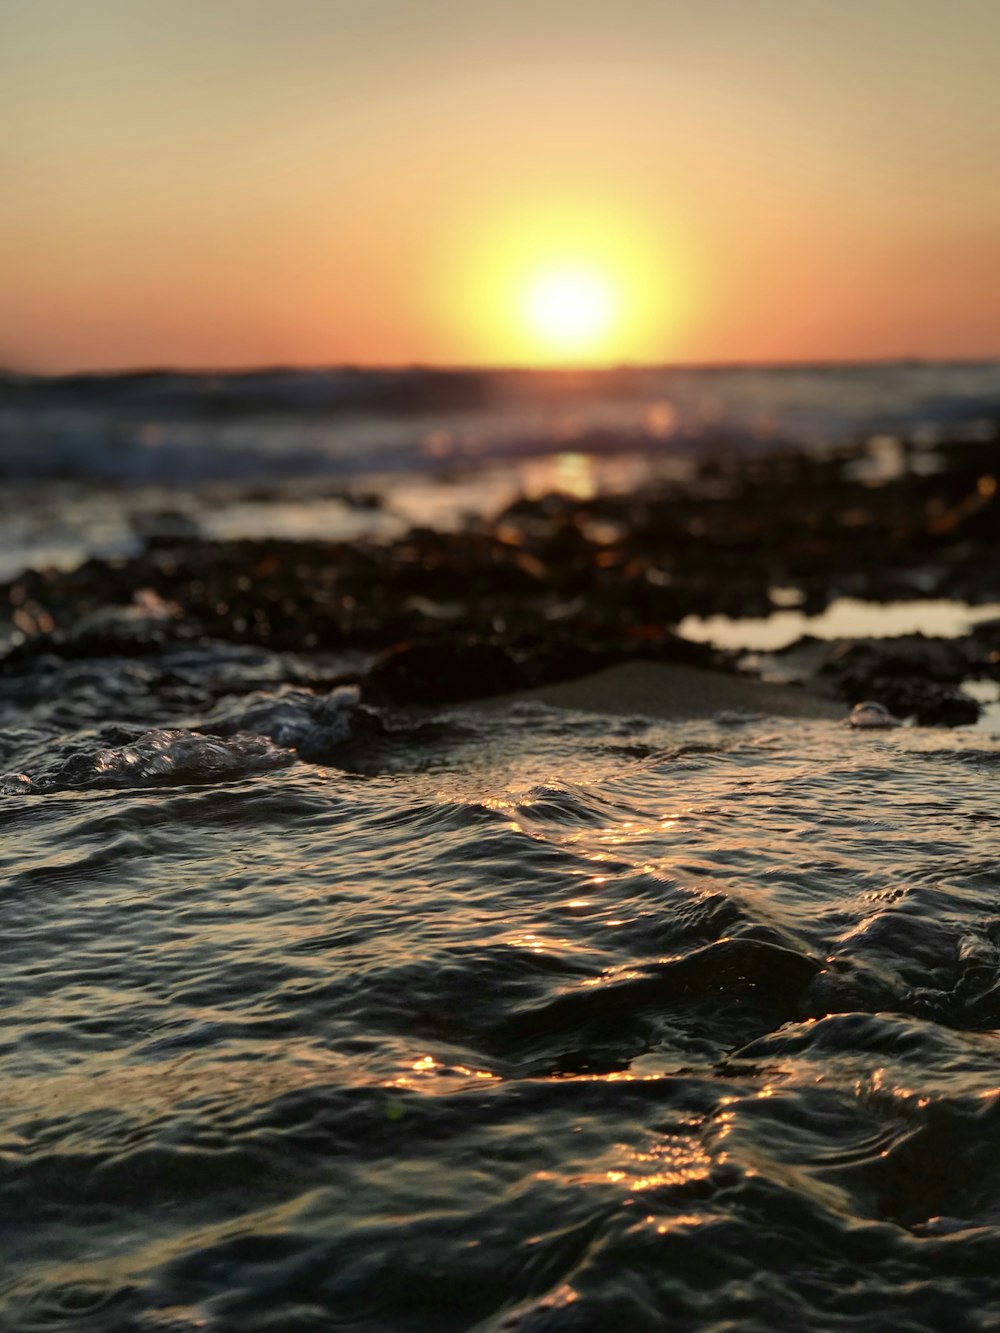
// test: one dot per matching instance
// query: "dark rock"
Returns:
(930, 704)
(559, 586)
(442, 671)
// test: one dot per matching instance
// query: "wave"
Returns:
(196, 428)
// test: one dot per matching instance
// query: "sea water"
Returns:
(488, 1020)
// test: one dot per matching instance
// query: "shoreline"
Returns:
(670, 692)
(534, 600)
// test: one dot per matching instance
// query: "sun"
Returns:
(570, 311)
(565, 281)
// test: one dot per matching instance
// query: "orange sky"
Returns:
(233, 182)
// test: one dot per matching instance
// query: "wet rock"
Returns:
(440, 671)
(558, 586)
(912, 676)
(946, 661)
(928, 703)
(316, 726)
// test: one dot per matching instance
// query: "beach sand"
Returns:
(674, 693)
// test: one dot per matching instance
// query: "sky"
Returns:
(217, 183)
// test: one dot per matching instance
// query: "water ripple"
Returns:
(530, 1023)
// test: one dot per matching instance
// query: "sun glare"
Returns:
(570, 282)
(570, 311)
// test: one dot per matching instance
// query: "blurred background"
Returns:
(336, 271)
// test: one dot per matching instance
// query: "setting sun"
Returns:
(563, 280)
(571, 311)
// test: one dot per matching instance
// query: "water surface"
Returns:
(535, 1021)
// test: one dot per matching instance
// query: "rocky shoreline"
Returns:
(557, 587)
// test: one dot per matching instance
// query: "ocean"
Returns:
(329, 1014)
(543, 1021)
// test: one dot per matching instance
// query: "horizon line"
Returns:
(513, 368)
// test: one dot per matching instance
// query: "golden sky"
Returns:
(238, 182)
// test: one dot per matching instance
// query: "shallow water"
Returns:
(535, 1021)
(845, 617)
